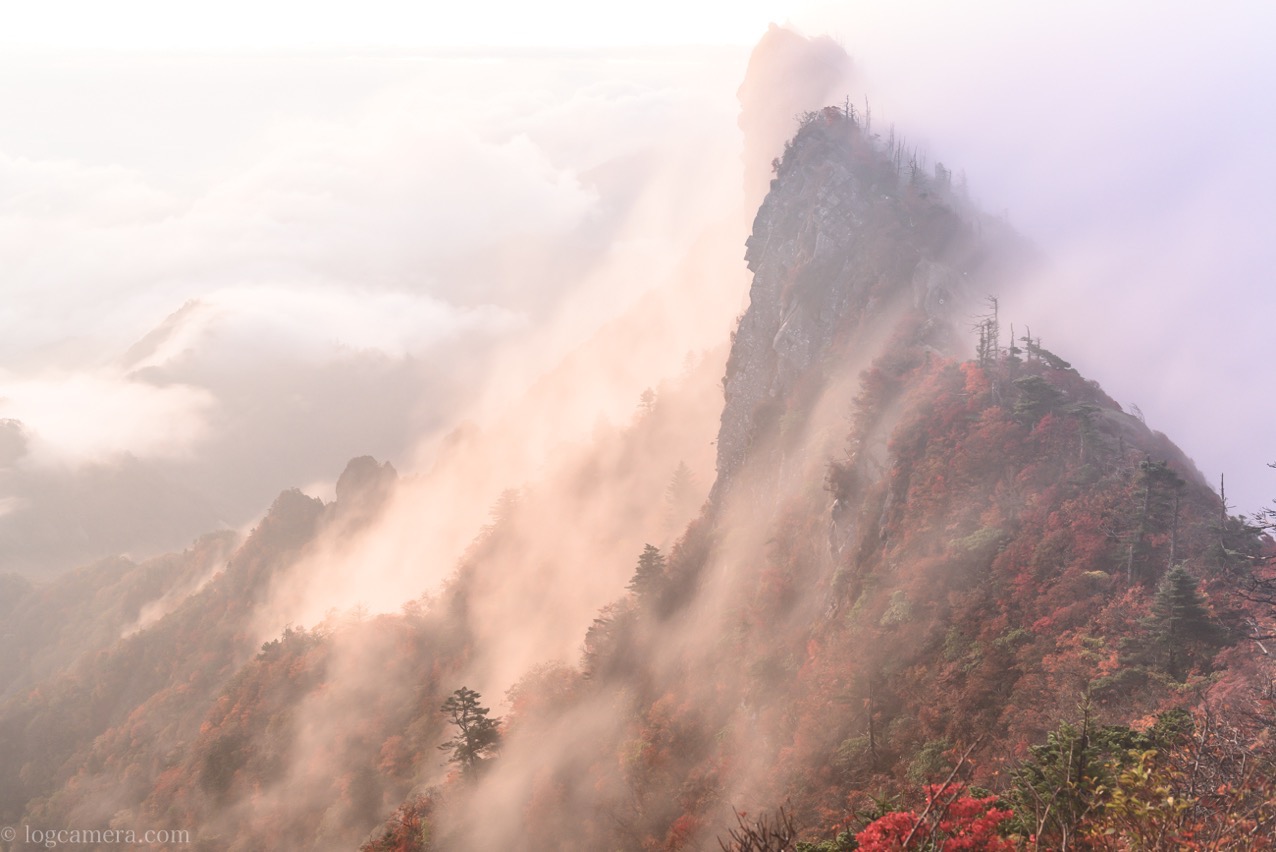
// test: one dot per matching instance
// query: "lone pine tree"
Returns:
(650, 572)
(477, 735)
(1182, 624)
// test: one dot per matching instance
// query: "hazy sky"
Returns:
(153, 24)
(245, 269)
(1131, 142)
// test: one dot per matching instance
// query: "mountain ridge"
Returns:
(907, 553)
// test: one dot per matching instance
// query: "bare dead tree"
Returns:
(943, 797)
(764, 833)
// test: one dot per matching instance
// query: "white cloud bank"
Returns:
(404, 216)
(83, 417)
(272, 264)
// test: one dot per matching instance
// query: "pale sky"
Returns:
(286, 24)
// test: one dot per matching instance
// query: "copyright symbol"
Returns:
(8, 834)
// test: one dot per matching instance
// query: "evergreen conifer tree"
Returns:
(477, 735)
(1181, 622)
(650, 572)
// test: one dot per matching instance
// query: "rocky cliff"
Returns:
(853, 229)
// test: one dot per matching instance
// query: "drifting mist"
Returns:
(248, 268)
(350, 255)
(513, 278)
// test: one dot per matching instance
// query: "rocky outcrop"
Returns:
(845, 234)
(364, 480)
(363, 489)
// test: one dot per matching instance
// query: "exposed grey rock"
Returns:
(829, 249)
(852, 236)
(936, 286)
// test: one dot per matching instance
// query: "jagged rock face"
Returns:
(363, 489)
(935, 286)
(841, 235)
(365, 480)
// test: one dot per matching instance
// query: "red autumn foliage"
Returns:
(952, 821)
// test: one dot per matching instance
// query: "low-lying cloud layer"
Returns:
(339, 277)
(79, 417)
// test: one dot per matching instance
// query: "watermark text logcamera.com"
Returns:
(51, 838)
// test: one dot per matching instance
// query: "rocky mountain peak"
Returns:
(852, 229)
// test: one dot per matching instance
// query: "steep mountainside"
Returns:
(958, 553)
(907, 555)
(48, 627)
(143, 686)
(848, 237)
(54, 519)
(914, 568)
(143, 695)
